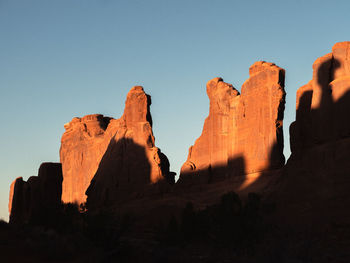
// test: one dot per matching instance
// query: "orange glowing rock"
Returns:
(82, 146)
(12, 187)
(315, 182)
(323, 104)
(243, 132)
(120, 154)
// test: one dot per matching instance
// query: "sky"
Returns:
(69, 58)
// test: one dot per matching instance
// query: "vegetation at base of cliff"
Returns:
(228, 223)
(69, 233)
(3, 224)
(102, 229)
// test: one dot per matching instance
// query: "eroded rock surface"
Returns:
(243, 132)
(323, 104)
(313, 190)
(32, 201)
(118, 154)
(82, 147)
(322, 110)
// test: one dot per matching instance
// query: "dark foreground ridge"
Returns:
(235, 201)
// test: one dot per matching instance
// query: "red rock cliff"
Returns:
(120, 154)
(243, 132)
(323, 104)
(30, 201)
(314, 189)
(82, 146)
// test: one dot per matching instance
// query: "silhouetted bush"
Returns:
(252, 218)
(70, 220)
(102, 228)
(172, 233)
(228, 223)
(3, 224)
(189, 222)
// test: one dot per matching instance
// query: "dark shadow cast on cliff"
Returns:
(37, 200)
(319, 162)
(125, 173)
(322, 111)
(212, 174)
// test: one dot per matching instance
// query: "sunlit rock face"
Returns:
(315, 184)
(120, 154)
(82, 146)
(33, 200)
(322, 105)
(243, 132)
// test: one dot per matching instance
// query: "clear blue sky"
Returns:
(60, 59)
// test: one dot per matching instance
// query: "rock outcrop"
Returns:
(82, 147)
(117, 156)
(33, 200)
(243, 132)
(315, 183)
(323, 104)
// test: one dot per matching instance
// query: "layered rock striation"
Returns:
(112, 158)
(243, 132)
(34, 200)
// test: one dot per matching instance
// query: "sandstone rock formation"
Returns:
(120, 154)
(314, 188)
(33, 199)
(323, 104)
(82, 146)
(243, 132)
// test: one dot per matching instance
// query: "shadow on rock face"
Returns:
(312, 190)
(125, 172)
(37, 199)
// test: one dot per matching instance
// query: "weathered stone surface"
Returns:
(314, 187)
(82, 147)
(323, 104)
(12, 187)
(33, 199)
(120, 154)
(243, 132)
(16, 201)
